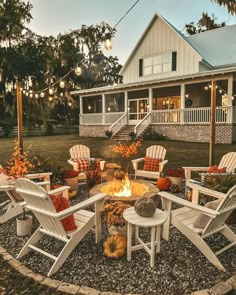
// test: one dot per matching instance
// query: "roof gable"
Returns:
(156, 15)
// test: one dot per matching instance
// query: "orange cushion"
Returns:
(215, 169)
(60, 203)
(151, 164)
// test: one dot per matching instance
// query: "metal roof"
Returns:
(217, 47)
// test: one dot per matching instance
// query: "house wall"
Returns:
(161, 38)
(195, 133)
(225, 134)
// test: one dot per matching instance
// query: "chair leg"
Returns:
(70, 245)
(32, 241)
(11, 212)
(229, 234)
(199, 243)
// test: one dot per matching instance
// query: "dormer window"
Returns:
(156, 64)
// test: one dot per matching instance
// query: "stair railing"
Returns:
(142, 125)
(118, 124)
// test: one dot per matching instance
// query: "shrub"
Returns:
(108, 134)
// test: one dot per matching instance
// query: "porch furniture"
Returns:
(39, 202)
(154, 152)
(184, 219)
(81, 152)
(228, 161)
(154, 222)
(13, 206)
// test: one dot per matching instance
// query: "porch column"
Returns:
(182, 103)
(229, 104)
(150, 95)
(103, 109)
(81, 109)
(126, 106)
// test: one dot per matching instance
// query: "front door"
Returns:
(138, 109)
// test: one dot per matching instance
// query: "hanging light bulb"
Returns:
(42, 94)
(186, 95)
(69, 103)
(31, 95)
(50, 91)
(36, 95)
(24, 91)
(220, 91)
(89, 107)
(61, 94)
(108, 109)
(78, 71)
(108, 44)
(27, 93)
(206, 87)
(62, 84)
(50, 98)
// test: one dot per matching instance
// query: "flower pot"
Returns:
(116, 229)
(177, 180)
(24, 226)
(73, 183)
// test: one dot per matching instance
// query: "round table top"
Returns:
(132, 217)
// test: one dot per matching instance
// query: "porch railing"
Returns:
(117, 125)
(166, 117)
(141, 126)
(99, 118)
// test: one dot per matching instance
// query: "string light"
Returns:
(62, 84)
(221, 91)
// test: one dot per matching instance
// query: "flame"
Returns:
(125, 189)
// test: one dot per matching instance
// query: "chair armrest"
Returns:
(43, 183)
(97, 198)
(45, 175)
(188, 170)
(102, 164)
(4, 188)
(136, 162)
(162, 164)
(204, 190)
(185, 203)
(58, 190)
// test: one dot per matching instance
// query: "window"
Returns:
(161, 63)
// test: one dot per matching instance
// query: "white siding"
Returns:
(161, 38)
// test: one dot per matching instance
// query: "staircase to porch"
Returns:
(123, 133)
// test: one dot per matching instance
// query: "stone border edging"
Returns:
(219, 289)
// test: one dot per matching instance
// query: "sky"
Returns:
(51, 17)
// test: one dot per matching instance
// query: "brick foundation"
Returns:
(92, 130)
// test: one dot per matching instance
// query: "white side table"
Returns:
(153, 222)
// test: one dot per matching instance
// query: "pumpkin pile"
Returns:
(145, 207)
(115, 246)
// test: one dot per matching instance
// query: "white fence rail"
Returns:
(118, 124)
(99, 118)
(141, 126)
(166, 117)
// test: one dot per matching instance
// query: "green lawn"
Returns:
(57, 147)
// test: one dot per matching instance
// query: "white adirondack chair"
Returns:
(12, 207)
(228, 161)
(154, 151)
(184, 217)
(39, 202)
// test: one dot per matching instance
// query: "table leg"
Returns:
(136, 230)
(129, 241)
(158, 239)
(153, 238)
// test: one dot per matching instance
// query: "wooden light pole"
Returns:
(212, 124)
(19, 116)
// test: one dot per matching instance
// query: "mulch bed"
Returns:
(179, 269)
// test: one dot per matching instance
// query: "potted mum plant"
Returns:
(71, 179)
(113, 216)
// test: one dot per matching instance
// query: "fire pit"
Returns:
(127, 190)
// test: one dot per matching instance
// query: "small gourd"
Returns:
(174, 188)
(119, 174)
(115, 246)
(145, 207)
(163, 183)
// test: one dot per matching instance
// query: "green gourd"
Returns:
(145, 207)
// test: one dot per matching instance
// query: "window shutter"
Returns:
(174, 58)
(140, 67)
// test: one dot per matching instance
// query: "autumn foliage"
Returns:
(126, 151)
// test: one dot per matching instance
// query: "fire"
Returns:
(125, 188)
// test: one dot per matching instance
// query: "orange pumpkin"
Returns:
(115, 246)
(163, 183)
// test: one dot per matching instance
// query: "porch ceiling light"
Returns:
(89, 107)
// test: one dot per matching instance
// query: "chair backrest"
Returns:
(39, 202)
(156, 151)
(79, 151)
(226, 207)
(228, 161)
